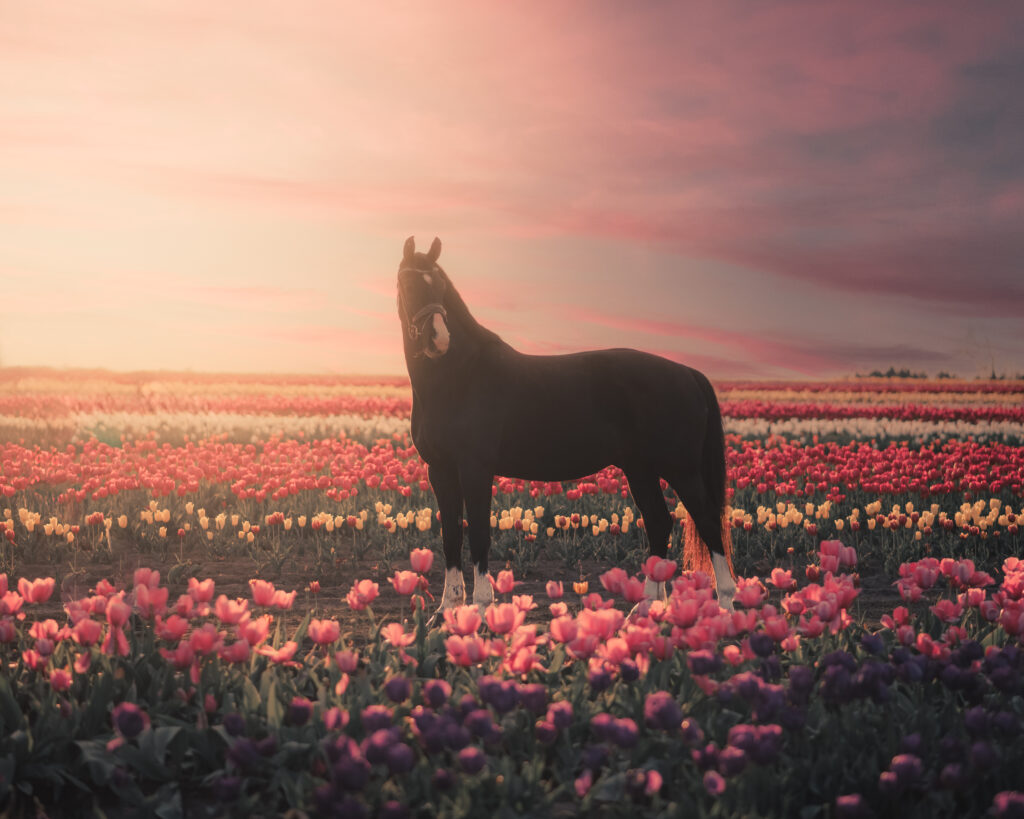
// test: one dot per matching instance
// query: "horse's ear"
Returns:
(435, 250)
(409, 250)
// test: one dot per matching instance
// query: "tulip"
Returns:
(324, 632)
(421, 560)
(129, 720)
(405, 582)
(363, 593)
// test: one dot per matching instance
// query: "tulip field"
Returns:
(217, 597)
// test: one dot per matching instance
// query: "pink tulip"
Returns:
(201, 592)
(363, 593)
(462, 620)
(405, 582)
(659, 569)
(60, 679)
(283, 654)
(118, 612)
(503, 618)
(505, 582)
(395, 634)
(782, 579)
(421, 560)
(230, 612)
(146, 577)
(36, 591)
(323, 632)
(262, 592)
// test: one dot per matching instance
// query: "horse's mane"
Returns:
(457, 308)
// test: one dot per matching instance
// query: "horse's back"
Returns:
(570, 415)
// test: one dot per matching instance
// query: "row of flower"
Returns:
(368, 402)
(278, 469)
(188, 702)
(326, 498)
(61, 408)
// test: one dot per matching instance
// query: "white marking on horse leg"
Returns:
(723, 581)
(483, 594)
(653, 590)
(454, 589)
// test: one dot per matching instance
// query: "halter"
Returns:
(418, 322)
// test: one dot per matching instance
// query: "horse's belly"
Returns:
(540, 457)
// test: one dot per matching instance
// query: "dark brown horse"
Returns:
(481, 409)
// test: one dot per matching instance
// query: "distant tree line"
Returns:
(892, 372)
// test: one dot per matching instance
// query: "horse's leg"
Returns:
(646, 491)
(708, 522)
(445, 483)
(477, 490)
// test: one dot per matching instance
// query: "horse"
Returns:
(481, 408)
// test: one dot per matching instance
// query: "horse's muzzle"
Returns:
(440, 338)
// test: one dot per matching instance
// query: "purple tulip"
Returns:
(908, 769)
(703, 662)
(376, 717)
(624, 732)
(533, 697)
(393, 809)
(398, 689)
(300, 710)
(472, 759)
(375, 747)
(599, 679)
(853, 806)
(661, 711)
(693, 734)
(442, 780)
(714, 783)
(732, 760)
(546, 732)
(594, 757)
(234, 724)
(400, 758)
(351, 773)
(479, 723)
(560, 714)
(436, 692)
(129, 719)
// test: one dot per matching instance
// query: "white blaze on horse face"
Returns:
(483, 594)
(723, 581)
(454, 589)
(441, 337)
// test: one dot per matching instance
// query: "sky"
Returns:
(789, 190)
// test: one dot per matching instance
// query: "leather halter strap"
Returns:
(418, 322)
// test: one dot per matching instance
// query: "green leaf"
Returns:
(275, 710)
(10, 712)
(250, 697)
(166, 802)
(97, 761)
(155, 742)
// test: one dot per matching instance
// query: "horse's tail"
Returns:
(713, 460)
(696, 555)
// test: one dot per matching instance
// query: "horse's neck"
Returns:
(447, 374)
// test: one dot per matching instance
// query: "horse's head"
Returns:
(421, 290)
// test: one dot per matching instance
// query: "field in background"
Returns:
(316, 473)
(876, 531)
